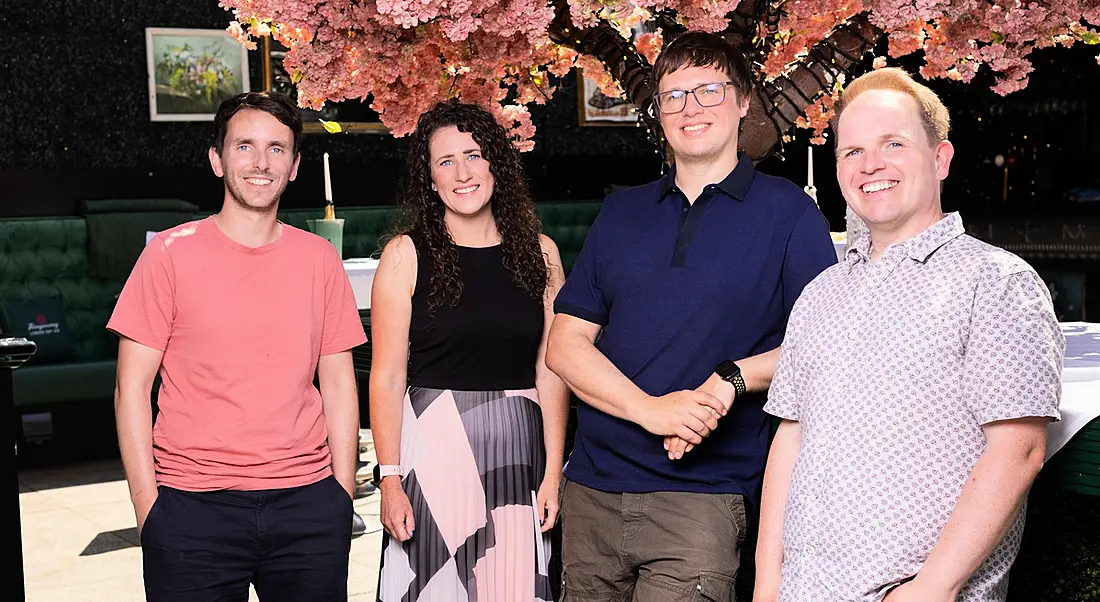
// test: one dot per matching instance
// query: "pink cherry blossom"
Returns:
(649, 45)
(404, 55)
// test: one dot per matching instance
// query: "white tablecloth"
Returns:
(1080, 383)
(361, 274)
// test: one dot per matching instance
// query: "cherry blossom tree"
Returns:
(402, 56)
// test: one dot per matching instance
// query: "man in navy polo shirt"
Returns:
(690, 279)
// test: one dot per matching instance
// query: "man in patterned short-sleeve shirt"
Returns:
(916, 383)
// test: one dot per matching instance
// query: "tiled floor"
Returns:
(80, 542)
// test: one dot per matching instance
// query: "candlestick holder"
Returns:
(331, 230)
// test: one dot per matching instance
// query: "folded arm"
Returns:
(573, 356)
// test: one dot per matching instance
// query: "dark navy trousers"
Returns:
(291, 544)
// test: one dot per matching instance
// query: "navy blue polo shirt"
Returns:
(679, 287)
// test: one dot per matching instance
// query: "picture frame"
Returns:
(191, 71)
(595, 109)
(354, 116)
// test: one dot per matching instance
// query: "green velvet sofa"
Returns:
(46, 260)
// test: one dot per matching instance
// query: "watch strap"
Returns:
(738, 384)
(388, 470)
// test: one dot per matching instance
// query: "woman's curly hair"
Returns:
(422, 209)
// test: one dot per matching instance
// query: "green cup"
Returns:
(331, 230)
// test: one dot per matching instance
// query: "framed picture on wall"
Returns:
(354, 116)
(191, 71)
(594, 108)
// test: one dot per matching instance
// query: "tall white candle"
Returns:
(810, 189)
(810, 167)
(328, 182)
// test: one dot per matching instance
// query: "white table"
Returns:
(1080, 383)
(361, 275)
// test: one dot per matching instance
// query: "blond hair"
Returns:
(933, 113)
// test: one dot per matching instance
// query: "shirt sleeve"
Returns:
(582, 296)
(784, 394)
(146, 307)
(1015, 351)
(809, 252)
(343, 329)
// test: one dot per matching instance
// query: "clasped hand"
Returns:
(684, 417)
(711, 403)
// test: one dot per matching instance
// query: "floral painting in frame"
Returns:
(191, 71)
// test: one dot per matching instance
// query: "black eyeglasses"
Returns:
(707, 95)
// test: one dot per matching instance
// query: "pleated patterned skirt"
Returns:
(473, 461)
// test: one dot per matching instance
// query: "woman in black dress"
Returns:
(468, 423)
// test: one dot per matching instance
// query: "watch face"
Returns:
(728, 369)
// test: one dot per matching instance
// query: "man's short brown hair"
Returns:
(933, 113)
(703, 49)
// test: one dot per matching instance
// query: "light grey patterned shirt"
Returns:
(891, 368)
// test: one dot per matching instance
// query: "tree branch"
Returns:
(776, 105)
(779, 103)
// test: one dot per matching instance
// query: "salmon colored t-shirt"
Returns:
(241, 330)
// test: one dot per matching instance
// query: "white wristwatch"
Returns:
(388, 470)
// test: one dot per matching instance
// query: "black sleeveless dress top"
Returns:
(487, 342)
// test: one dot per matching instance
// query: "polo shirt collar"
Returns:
(735, 185)
(920, 247)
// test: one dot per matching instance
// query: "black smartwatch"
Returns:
(731, 373)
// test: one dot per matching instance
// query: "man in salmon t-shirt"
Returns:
(248, 474)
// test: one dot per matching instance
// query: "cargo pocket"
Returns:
(714, 587)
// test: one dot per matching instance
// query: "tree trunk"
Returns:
(777, 104)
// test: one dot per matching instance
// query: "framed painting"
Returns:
(354, 116)
(594, 108)
(191, 71)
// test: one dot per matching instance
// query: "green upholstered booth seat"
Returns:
(47, 259)
(566, 223)
(63, 383)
